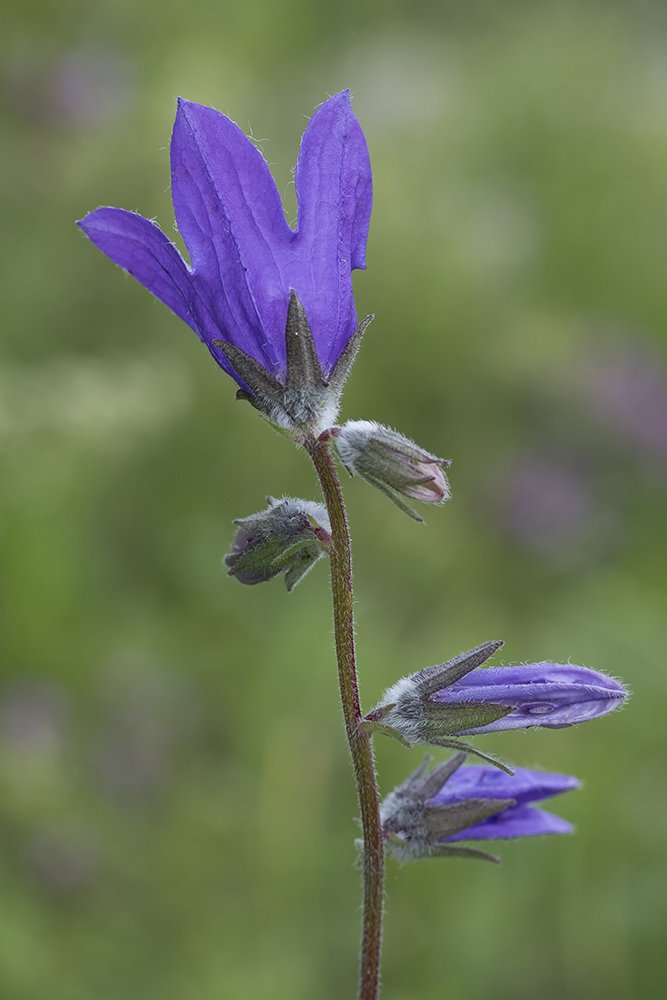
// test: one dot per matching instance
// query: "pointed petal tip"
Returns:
(90, 222)
(342, 97)
(99, 215)
(183, 103)
(182, 108)
(84, 223)
(114, 221)
(188, 109)
(341, 102)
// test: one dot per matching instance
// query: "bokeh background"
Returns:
(175, 796)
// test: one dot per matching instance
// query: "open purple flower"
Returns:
(457, 699)
(429, 813)
(274, 305)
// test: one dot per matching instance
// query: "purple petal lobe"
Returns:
(520, 820)
(142, 248)
(230, 215)
(334, 193)
(552, 695)
(492, 783)
(515, 821)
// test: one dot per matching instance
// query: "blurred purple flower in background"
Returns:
(149, 712)
(63, 856)
(548, 505)
(245, 258)
(34, 716)
(86, 88)
(626, 386)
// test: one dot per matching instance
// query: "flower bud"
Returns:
(456, 699)
(392, 463)
(288, 537)
(429, 813)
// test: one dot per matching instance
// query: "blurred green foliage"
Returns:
(175, 795)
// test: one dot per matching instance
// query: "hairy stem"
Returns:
(359, 740)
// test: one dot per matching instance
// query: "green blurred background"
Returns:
(175, 796)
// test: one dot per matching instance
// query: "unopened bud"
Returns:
(458, 699)
(288, 537)
(392, 463)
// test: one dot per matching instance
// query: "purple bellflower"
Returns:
(429, 813)
(456, 699)
(274, 305)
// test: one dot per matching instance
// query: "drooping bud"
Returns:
(288, 537)
(426, 815)
(456, 699)
(392, 463)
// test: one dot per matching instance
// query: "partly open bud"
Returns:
(456, 699)
(392, 463)
(288, 537)
(426, 815)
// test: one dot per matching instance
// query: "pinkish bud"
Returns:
(392, 463)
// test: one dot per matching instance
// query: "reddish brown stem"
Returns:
(358, 739)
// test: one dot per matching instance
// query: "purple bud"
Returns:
(392, 463)
(457, 699)
(553, 695)
(429, 812)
